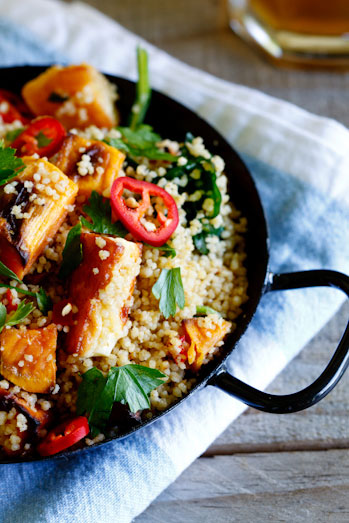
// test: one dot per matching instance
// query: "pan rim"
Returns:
(218, 364)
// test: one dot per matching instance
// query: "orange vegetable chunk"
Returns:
(77, 95)
(28, 358)
(31, 212)
(204, 335)
(77, 155)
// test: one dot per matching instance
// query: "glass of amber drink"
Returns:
(303, 32)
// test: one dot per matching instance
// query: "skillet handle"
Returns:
(329, 377)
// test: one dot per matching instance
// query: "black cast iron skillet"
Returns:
(173, 120)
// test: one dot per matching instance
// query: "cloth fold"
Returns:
(300, 164)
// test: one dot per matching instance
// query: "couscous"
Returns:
(121, 262)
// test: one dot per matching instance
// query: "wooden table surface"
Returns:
(295, 467)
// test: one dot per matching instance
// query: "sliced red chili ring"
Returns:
(43, 136)
(65, 435)
(17, 102)
(8, 111)
(132, 217)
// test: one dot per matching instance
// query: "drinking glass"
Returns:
(303, 32)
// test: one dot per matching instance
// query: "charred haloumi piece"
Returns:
(32, 208)
(203, 335)
(100, 291)
(77, 95)
(92, 164)
(28, 358)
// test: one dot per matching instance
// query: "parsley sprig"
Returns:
(72, 252)
(17, 316)
(43, 300)
(139, 143)
(169, 290)
(10, 165)
(99, 210)
(129, 385)
(139, 140)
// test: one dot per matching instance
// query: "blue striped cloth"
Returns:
(116, 482)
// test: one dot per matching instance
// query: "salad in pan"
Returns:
(121, 262)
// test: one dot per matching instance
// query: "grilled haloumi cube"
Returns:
(92, 164)
(100, 290)
(32, 208)
(77, 95)
(28, 358)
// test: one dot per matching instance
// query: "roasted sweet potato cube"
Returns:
(92, 164)
(100, 288)
(28, 358)
(32, 208)
(77, 95)
(203, 335)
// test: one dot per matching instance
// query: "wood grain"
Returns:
(290, 468)
(291, 486)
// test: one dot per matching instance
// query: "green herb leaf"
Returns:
(89, 396)
(129, 385)
(99, 210)
(44, 301)
(7, 273)
(200, 238)
(12, 135)
(143, 90)
(42, 139)
(166, 249)
(141, 142)
(169, 290)
(141, 138)
(10, 165)
(3, 312)
(17, 316)
(72, 252)
(203, 310)
(201, 176)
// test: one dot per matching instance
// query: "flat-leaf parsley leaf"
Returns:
(23, 310)
(141, 142)
(44, 301)
(100, 213)
(129, 385)
(169, 290)
(10, 165)
(72, 252)
(7, 273)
